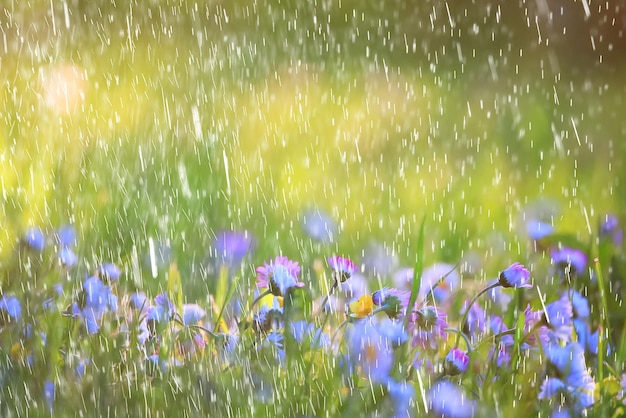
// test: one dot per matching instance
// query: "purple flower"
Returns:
(232, 247)
(319, 226)
(392, 301)
(609, 228)
(456, 362)
(34, 238)
(278, 276)
(343, 268)
(515, 275)
(570, 258)
(427, 326)
(10, 309)
(448, 400)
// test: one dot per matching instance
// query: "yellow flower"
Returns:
(361, 307)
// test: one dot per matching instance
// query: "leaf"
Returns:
(417, 273)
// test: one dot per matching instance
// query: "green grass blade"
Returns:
(417, 272)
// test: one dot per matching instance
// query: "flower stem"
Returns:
(469, 306)
(330, 292)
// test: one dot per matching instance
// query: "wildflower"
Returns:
(49, 393)
(343, 268)
(110, 272)
(534, 327)
(361, 307)
(319, 226)
(515, 276)
(34, 238)
(571, 370)
(476, 322)
(278, 276)
(401, 394)
(559, 313)
(574, 261)
(66, 236)
(10, 309)
(456, 362)
(67, 257)
(609, 228)
(232, 247)
(163, 309)
(269, 317)
(537, 229)
(448, 400)
(192, 314)
(393, 331)
(371, 351)
(139, 300)
(96, 299)
(427, 326)
(394, 302)
(580, 305)
(355, 287)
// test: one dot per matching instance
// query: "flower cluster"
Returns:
(379, 352)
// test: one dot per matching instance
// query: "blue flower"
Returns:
(67, 257)
(559, 313)
(34, 238)
(192, 313)
(10, 309)
(110, 272)
(570, 258)
(457, 362)
(49, 393)
(401, 394)
(319, 226)
(515, 275)
(66, 236)
(569, 362)
(163, 310)
(537, 230)
(448, 400)
(139, 300)
(97, 299)
(371, 351)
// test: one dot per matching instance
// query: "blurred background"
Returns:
(309, 127)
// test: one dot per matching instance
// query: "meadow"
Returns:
(311, 209)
